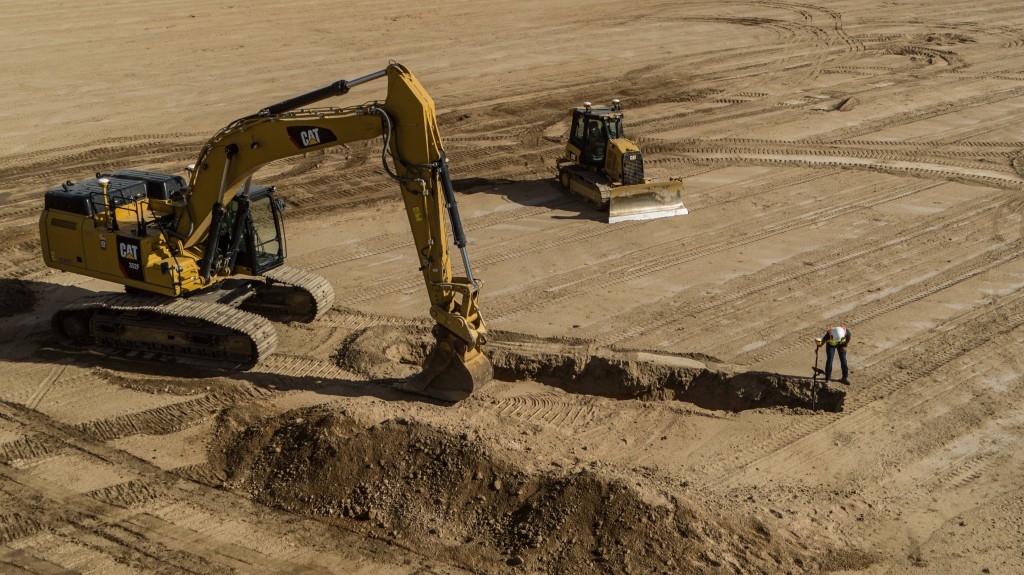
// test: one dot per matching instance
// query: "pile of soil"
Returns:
(578, 366)
(445, 496)
(386, 352)
(16, 297)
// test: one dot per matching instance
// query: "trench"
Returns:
(579, 366)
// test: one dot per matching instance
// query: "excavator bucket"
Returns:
(450, 372)
(646, 202)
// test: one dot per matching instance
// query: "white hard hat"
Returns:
(838, 333)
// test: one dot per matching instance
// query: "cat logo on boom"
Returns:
(309, 136)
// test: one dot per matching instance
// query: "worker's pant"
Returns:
(829, 353)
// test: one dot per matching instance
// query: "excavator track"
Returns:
(292, 295)
(195, 332)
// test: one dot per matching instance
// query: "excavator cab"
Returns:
(252, 233)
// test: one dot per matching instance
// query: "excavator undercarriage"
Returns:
(228, 327)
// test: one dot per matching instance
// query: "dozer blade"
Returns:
(646, 202)
(450, 372)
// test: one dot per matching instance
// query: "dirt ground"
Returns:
(843, 162)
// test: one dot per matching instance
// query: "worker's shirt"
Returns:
(841, 343)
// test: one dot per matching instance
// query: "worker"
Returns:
(835, 340)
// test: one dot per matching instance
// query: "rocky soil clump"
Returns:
(446, 496)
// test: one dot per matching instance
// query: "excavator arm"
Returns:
(406, 121)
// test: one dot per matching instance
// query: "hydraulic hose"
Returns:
(446, 188)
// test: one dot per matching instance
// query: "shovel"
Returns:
(817, 372)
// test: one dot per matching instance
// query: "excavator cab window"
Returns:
(251, 232)
(267, 233)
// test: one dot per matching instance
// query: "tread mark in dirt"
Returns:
(963, 329)
(665, 255)
(547, 408)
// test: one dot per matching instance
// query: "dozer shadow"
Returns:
(538, 192)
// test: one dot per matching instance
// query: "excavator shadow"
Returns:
(25, 310)
(19, 297)
(138, 373)
(26, 337)
(541, 193)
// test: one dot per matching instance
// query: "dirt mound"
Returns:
(445, 496)
(386, 352)
(16, 296)
(578, 366)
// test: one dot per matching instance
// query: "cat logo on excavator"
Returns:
(309, 136)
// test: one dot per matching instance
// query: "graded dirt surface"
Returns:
(843, 162)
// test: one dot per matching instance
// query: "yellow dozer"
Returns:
(607, 170)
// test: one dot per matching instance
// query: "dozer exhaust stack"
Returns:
(646, 202)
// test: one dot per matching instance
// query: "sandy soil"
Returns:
(844, 162)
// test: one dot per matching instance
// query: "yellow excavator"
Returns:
(607, 170)
(202, 261)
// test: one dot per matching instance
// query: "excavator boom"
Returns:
(406, 121)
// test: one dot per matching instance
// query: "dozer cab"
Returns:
(607, 170)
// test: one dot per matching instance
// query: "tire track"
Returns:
(976, 267)
(548, 408)
(160, 420)
(328, 257)
(159, 522)
(674, 314)
(936, 349)
(28, 448)
(936, 389)
(662, 256)
(15, 526)
(130, 494)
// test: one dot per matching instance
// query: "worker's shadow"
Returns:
(538, 193)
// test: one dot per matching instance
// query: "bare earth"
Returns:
(857, 162)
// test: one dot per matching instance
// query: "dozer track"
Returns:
(587, 185)
(195, 332)
(292, 295)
